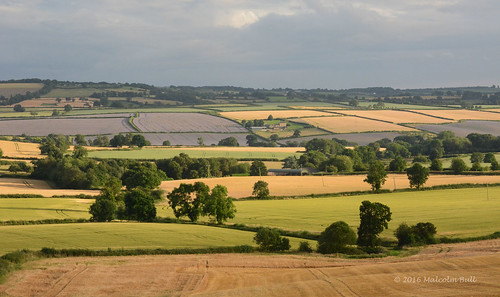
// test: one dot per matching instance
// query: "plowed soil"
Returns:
(467, 269)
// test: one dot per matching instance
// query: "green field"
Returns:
(99, 236)
(44, 208)
(165, 153)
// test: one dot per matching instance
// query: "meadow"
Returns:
(122, 235)
(153, 153)
(32, 209)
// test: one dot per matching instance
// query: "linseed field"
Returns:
(465, 269)
(461, 114)
(185, 122)
(239, 187)
(395, 116)
(264, 114)
(349, 124)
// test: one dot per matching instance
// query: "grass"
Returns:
(165, 153)
(44, 208)
(117, 235)
(455, 212)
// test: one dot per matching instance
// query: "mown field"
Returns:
(281, 114)
(14, 149)
(32, 209)
(153, 153)
(120, 235)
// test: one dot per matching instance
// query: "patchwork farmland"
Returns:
(10, 89)
(277, 114)
(461, 114)
(185, 122)
(394, 116)
(465, 128)
(349, 124)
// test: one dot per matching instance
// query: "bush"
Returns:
(458, 166)
(305, 247)
(335, 238)
(270, 240)
(419, 234)
(436, 165)
(404, 235)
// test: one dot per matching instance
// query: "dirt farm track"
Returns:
(466, 269)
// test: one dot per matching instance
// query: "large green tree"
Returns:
(218, 205)
(140, 205)
(261, 190)
(335, 238)
(144, 175)
(417, 175)
(258, 168)
(374, 218)
(376, 175)
(187, 199)
(270, 240)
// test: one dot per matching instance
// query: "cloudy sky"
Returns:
(259, 43)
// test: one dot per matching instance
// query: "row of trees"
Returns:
(128, 139)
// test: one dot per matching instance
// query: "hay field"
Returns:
(462, 114)
(349, 124)
(9, 89)
(185, 122)
(264, 114)
(241, 186)
(266, 275)
(20, 149)
(118, 235)
(39, 187)
(154, 153)
(394, 116)
(44, 208)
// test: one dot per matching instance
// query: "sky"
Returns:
(335, 44)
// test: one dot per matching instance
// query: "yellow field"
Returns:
(461, 114)
(39, 187)
(264, 114)
(465, 269)
(350, 124)
(394, 116)
(20, 149)
(239, 187)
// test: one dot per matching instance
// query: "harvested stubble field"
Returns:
(394, 116)
(8, 89)
(277, 114)
(185, 122)
(38, 187)
(65, 126)
(153, 153)
(20, 149)
(441, 270)
(350, 124)
(465, 128)
(44, 208)
(462, 114)
(241, 186)
(122, 235)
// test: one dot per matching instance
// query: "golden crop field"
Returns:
(20, 149)
(394, 116)
(461, 114)
(465, 269)
(242, 186)
(350, 124)
(36, 187)
(315, 107)
(264, 114)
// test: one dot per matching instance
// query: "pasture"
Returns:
(394, 116)
(241, 186)
(118, 235)
(153, 153)
(36, 187)
(462, 114)
(277, 114)
(44, 208)
(185, 122)
(350, 124)
(8, 89)
(266, 275)
(465, 128)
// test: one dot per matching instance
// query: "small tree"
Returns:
(398, 164)
(167, 143)
(335, 238)
(200, 141)
(274, 137)
(270, 240)
(68, 108)
(258, 168)
(374, 217)
(436, 165)
(376, 175)
(417, 175)
(476, 157)
(139, 140)
(296, 133)
(404, 235)
(305, 247)
(458, 165)
(270, 117)
(105, 206)
(494, 165)
(421, 233)
(291, 162)
(80, 139)
(489, 157)
(476, 166)
(19, 108)
(261, 190)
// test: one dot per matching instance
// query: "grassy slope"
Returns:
(44, 208)
(121, 235)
